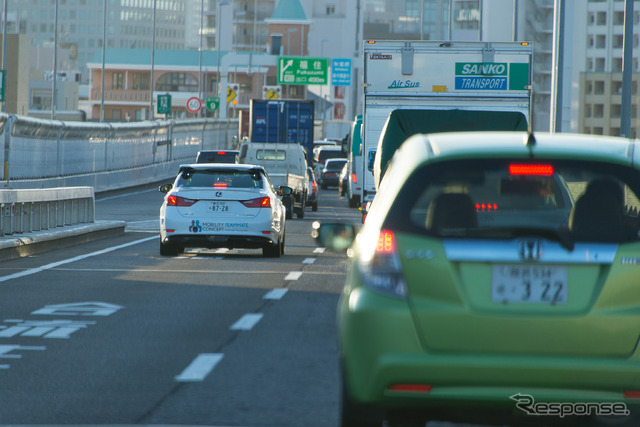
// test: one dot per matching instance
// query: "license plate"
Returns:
(218, 207)
(537, 284)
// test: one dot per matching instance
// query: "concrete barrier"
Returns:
(30, 210)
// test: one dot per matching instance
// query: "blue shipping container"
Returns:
(289, 121)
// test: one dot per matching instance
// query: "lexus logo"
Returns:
(218, 193)
(529, 250)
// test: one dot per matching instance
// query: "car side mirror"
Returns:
(337, 237)
(165, 188)
(284, 190)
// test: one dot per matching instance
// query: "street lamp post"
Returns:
(200, 57)
(291, 30)
(219, 45)
(322, 42)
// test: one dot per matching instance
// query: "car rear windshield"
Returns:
(576, 201)
(324, 155)
(335, 166)
(220, 179)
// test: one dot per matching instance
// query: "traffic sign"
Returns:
(272, 93)
(341, 71)
(302, 71)
(213, 103)
(164, 104)
(194, 104)
(232, 92)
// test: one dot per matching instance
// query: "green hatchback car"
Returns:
(497, 277)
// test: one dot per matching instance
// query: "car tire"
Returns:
(272, 251)
(167, 249)
(300, 212)
(284, 239)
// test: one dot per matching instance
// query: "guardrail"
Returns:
(52, 169)
(26, 211)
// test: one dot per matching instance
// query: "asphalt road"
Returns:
(110, 332)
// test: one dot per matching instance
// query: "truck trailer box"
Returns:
(454, 77)
(288, 121)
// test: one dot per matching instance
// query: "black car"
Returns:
(217, 156)
(330, 174)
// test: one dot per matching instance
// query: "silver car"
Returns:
(222, 206)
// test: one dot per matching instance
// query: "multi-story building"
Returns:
(81, 23)
(600, 97)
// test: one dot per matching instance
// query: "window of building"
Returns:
(601, 41)
(618, 41)
(177, 82)
(599, 65)
(615, 111)
(618, 18)
(598, 87)
(601, 18)
(117, 80)
(140, 81)
(116, 114)
(331, 10)
(587, 110)
(598, 111)
(616, 64)
(276, 44)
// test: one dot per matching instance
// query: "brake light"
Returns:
(261, 202)
(179, 201)
(544, 170)
(380, 266)
(486, 207)
(354, 178)
(385, 242)
(222, 153)
(220, 185)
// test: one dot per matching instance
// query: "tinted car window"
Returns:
(220, 179)
(502, 199)
(217, 157)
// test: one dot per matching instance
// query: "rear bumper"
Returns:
(218, 241)
(381, 348)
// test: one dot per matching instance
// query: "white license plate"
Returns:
(218, 207)
(537, 284)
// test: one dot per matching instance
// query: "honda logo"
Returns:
(530, 250)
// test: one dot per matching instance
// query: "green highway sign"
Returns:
(2, 74)
(164, 104)
(302, 71)
(213, 103)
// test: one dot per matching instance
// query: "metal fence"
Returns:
(43, 151)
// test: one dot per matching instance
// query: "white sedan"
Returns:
(222, 206)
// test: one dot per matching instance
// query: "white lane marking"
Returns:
(247, 322)
(70, 260)
(201, 366)
(318, 251)
(309, 261)
(276, 293)
(294, 275)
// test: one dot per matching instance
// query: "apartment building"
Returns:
(600, 98)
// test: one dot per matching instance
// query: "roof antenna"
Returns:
(530, 139)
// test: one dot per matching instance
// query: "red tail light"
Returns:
(386, 243)
(179, 201)
(261, 202)
(354, 178)
(545, 170)
(220, 185)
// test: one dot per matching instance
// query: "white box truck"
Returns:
(286, 164)
(433, 86)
